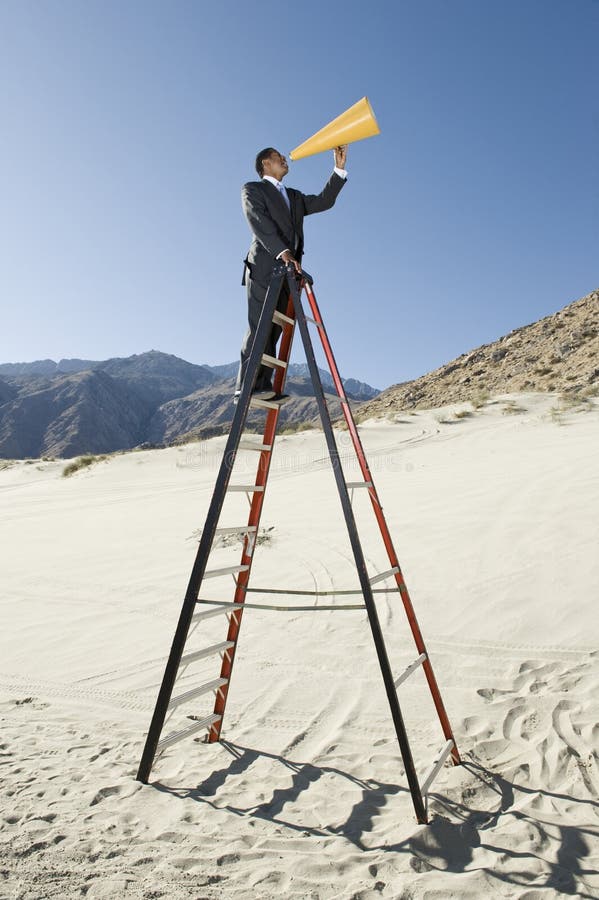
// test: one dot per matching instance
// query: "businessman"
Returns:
(275, 215)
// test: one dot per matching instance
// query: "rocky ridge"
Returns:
(88, 407)
(557, 353)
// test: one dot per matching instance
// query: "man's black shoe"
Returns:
(265, 394)
(280, 398)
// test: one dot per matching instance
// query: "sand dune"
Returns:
(494, 516)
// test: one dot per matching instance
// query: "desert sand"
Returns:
(495, 519)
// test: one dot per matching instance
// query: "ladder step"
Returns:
(411, 668)
(228, 570)
(253, 445)
(313, 321)
(281, 319)
(384, 575)
(358, 484)
(207, 613)
(437, 765)
(265, 404)
(273, 361)
(185, 732)
(207, 651)
(196, 692)
(246, 488)
(237, 529)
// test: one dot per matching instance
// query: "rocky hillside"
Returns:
(557, 353)
(209, 411)
(81, 406)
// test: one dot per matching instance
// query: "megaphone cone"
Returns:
(354, 124)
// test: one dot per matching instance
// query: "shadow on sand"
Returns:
(450, 840)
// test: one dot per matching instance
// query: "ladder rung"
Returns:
(384, 575)
(206, 613)
(273, 361)
(185, 732)
(222, 647)
(438, 763)
(253, 445)
(236, 529)
(246, 488)
(281, 319)
(358, 484)
(196, 692)
(265, 404)
(229, 570)
(408, 671)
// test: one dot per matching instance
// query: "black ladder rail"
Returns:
(377, 634)
(214, 510)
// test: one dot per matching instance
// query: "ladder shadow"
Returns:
(375, 794)
(454, 835)
(458, 830)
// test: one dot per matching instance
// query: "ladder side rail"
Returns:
(214, 510)
(249, 544)
(375, 626)
(382, 523)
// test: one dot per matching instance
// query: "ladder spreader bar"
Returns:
(185, 732)
(408, 671)
(229, 604)
(246, 488)
(228, 570)
(437, 765)
(273, 361)
(313, 321)
(384, 575)
(196, 692)
(359, 484)
(252, 590)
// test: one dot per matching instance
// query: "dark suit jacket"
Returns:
(276, 228)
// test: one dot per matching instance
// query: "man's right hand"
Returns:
(288, 259)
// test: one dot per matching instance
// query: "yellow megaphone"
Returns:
(354, 124)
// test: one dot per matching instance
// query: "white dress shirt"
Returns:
(342, 173)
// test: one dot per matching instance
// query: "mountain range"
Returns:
(77, 406)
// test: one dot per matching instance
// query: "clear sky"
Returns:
(127, 129)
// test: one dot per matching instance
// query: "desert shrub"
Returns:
(82, 462)
(511, 408)
(480, 398)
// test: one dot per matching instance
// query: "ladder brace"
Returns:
(436, 767)
(411, 668)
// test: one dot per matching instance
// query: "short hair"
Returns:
(264, 154)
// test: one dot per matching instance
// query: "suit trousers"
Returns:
(256, 292)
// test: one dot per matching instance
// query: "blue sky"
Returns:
(127, 129)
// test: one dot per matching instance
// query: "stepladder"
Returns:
(201, 707)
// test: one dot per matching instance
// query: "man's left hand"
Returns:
(340, 156)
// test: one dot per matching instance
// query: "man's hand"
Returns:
(289, 260)
(340, 156)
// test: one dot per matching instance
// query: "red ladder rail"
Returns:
(249, 543)
(382, 523)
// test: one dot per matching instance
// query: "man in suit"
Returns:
(275, 215)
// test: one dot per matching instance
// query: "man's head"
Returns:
(270, 162)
